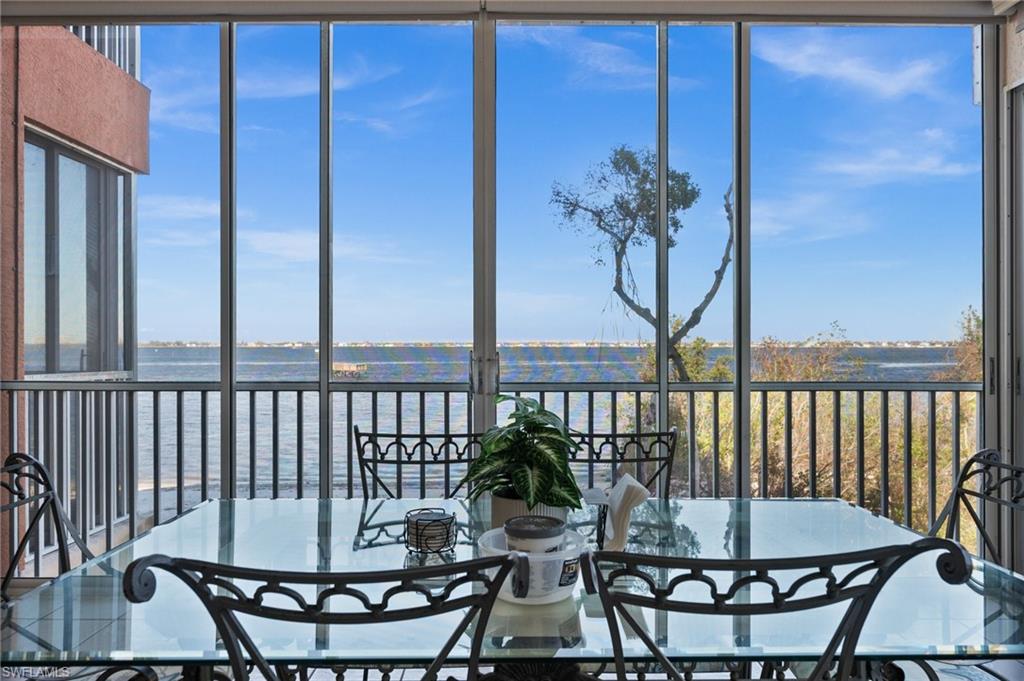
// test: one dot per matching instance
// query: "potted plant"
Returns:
(524, 464)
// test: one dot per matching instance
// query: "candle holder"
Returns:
(415, 559)
(429, 531)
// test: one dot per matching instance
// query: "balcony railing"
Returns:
(127, 455)
(119, 44)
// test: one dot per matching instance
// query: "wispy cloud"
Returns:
(180, 238)
(177, 207)
(292, 246)
(900, 156)
(356, 70)
(184, 98)
(395, 117)
(271, 81)
(811, 216)
(593, 63)
(826, 55)
(189, 98)
(359, 249)
(253, 127)
(892, 164)
(277, 83)
(303, 246)
(421, 99)
(375, 123)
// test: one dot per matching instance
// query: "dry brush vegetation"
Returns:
(826, 358)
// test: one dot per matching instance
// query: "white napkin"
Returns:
(626, 495)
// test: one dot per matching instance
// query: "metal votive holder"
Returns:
(429, 530)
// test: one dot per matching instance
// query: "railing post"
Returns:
(1013, 286)
(661, 340)
(484, 367)
(741, 269)
(131, 455)
(996, 386)
(326, 440)
(228, 434)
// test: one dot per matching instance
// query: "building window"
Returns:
(76, 214)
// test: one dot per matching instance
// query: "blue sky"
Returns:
(866, 182)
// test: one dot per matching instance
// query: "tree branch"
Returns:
(619, 290)
(573, 203)
(698, 312)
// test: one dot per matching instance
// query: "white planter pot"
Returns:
(502, 509)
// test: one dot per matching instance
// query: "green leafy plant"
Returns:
(527, 458)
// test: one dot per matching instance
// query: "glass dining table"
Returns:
(82, 618)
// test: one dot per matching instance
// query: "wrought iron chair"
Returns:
(984, 478)
(810, 582)
(412, 451)
(987, 479)
(217, 586)
(650, 455)
(28, 483)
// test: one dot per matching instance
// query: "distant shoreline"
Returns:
(525, 344)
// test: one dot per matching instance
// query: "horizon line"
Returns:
(529, 343)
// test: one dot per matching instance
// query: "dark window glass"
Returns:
(35, 259)
(75, 262)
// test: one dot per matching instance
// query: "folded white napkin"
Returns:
(626, 495)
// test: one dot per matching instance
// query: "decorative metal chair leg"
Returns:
(196, 672)
(139, 673)
(891, 672)
(928, 670)
(539, 671)
(737, 670)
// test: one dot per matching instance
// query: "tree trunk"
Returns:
(677, 361)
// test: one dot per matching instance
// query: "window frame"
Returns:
(115, 362)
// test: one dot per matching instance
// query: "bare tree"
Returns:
(619, 202)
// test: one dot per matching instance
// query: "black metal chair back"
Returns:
(228, 591)
(649, 455)
(624, 580)
(28, 484)
(413, 453)
(984, 478)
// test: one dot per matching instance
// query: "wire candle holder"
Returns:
(429, 531)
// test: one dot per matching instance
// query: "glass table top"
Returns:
(83, 617)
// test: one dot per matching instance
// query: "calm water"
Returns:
(518, 363)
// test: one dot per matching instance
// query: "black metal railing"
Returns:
(879, 445)
(127, 455)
